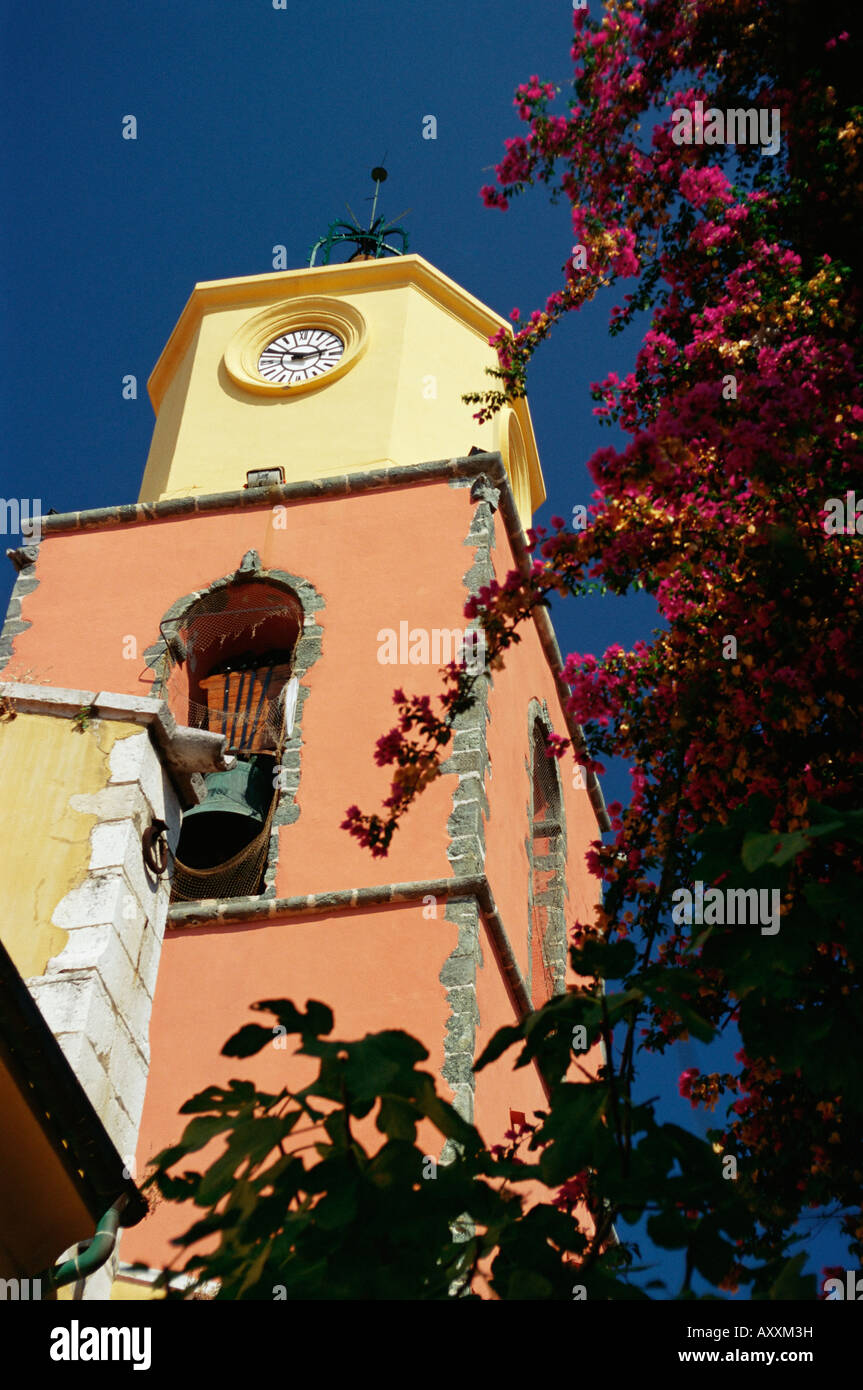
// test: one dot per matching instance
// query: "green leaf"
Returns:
(616, 1005)
(837, 899)
(379, 1061)
(792, 1283)
(449, 1121)
(760, 849)
(238, 1094)
(522, 1284)
(711, 1255)
(502, 1040)
(317, 1019)
(249, 1040)
(571, 1128)
(604, 960)
(397, 1118)
(667, 987)
(250, 1143)
(338, 1207)
(201, 1130)
(670, 1229)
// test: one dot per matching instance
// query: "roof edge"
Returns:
(60, 1103)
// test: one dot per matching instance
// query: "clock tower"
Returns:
(315, 481)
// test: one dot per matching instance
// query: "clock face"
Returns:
(300, 355)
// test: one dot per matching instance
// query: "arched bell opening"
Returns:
(232, 659)
(233, 670)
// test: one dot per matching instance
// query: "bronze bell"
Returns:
(230, 817)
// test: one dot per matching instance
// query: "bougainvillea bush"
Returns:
(741, 719)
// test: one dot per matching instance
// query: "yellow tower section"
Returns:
(407, 343)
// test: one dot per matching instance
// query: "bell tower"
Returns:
(317, 506)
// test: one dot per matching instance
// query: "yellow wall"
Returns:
(44, 762)
(425, 335)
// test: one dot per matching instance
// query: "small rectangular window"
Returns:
(264, 477)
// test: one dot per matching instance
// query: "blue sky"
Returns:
(255, 126)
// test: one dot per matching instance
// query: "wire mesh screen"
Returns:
(229, 662)
(546, 788)
(238, 877)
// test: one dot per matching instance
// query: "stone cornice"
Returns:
(343, 485)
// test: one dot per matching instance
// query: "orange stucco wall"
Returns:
(374, 969)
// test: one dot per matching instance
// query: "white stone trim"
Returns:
(96, 994)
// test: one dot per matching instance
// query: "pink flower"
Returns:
(555, 746)
(700, 185)
(684, 1084)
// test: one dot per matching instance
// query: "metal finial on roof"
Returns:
(371, 242)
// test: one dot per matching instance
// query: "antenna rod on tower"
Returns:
(379, 175)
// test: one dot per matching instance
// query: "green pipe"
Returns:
(91, 1254)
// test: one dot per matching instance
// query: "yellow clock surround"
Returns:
(310, 311)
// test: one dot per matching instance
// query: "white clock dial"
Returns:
(302, 354)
